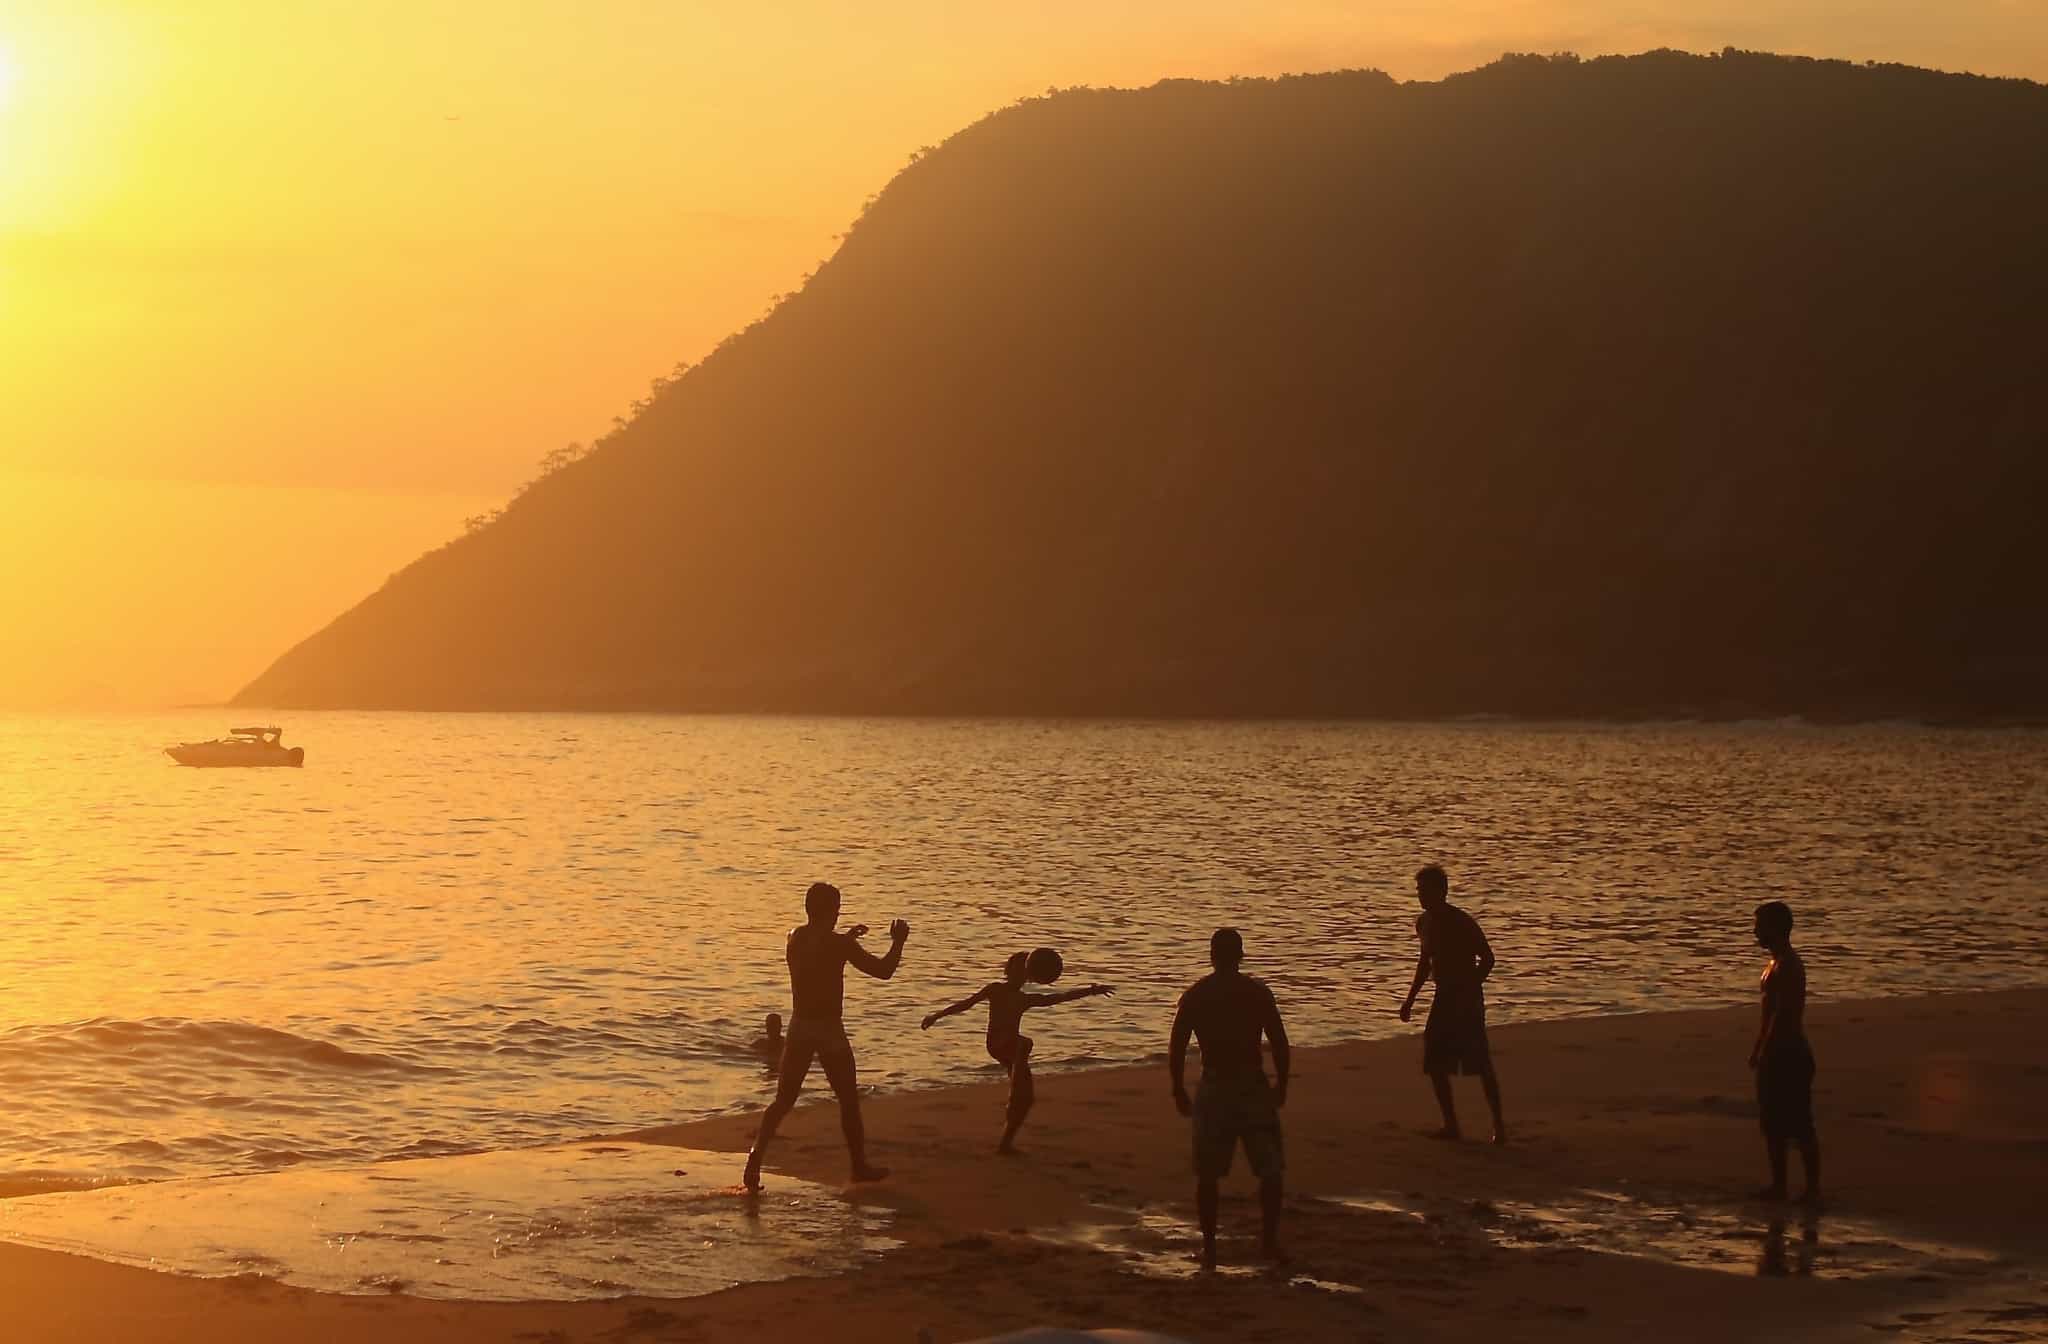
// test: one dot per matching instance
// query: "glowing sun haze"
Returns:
(286, 291)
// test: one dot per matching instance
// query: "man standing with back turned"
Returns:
(1228, 1012)
(817, 955)
(1456, 952)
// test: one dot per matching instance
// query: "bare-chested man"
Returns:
(1782, 1058)
(817, 957)
(1227, 1012)
(1457, 956)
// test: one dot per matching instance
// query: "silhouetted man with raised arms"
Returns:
(817, 955)
(1455, 952)
(1227, 1012)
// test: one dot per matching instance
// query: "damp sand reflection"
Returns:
(550, 1224)
(1742, 1239)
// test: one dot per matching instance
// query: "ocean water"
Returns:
(478, 932)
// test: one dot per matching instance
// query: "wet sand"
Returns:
(1618, 1211)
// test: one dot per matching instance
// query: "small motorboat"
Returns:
(242, 746)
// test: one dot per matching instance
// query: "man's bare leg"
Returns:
(1205, 1210)
(1270, 1193)
(1809, 1156)
(1442, 1083)
(1022, 1095)
(1775, 1146)
(796, 1062)
(840, 1072)
(1492, 1086)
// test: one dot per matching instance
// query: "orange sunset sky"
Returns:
(288, 290)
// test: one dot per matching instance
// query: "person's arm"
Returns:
(1049, 1000)
(884, 966)
(1763, 1027)
(1283, 1053)
(976, 997)
(1485, 953)
(1421, 970)
(1177, 1057)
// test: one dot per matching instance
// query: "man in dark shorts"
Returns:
(1228, 1012)
(1782, 1059)
(818, 955)
(1456, 954)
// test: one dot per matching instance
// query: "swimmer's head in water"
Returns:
(1045, 966)
(1226, 949)
(1773, 922)
(773, 1026)
(821, 902)
(1431, 885)
(1014, 968)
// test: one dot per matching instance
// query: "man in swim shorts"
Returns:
(1228, 1012)
(1782, 1059)
(818, 955)
(1456, 954)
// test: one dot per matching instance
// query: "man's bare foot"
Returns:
(865, 1173)
(1008, 1149)
(752, 1178)
(1447, 1134)
(1274, 1253)
(1810, 1197)
(1770, 1194)
(1209, 1256)
(1500, 1136)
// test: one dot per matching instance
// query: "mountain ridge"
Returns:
(1639, 385)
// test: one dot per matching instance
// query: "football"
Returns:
(1045, 966)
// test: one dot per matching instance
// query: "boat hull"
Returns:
(215, 755)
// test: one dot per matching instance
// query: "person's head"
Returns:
(1014, 968)
(1432, 886)
(1226, 949)
(774, 1026)
(821, 903)
(1773, 924)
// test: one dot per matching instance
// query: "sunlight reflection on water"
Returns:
(450, 933)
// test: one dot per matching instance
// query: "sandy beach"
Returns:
(1619, 1210)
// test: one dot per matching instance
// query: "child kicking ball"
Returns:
(1008, 1001)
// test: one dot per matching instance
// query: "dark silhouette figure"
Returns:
(1782, 1059)
(769, 1044)
(818, 957)
(1227, 1012)
(1007, 1002)
(1456, 954)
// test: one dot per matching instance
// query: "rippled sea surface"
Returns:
(452, 933)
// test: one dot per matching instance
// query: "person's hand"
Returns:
(857, 931)
(1181, 1102)
(1101, 991)
(900, 930)
(1407, 1010)
(929, 1019)
(1756, 1057)
(1279, 1093)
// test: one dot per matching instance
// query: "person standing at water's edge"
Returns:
(818, 955)
(1227, 1012)
(1782, 1059)
(1456, 954)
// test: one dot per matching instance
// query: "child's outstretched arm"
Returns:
(976, 997)
(1086, 992)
